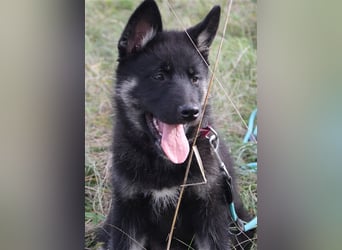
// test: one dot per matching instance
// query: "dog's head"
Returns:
(162, 77)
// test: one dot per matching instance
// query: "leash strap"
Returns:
(209, 133)
(251, 134)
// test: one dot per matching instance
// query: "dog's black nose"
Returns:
(188, 112)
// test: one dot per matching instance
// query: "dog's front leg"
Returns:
(127, 227)
(212, 229)
(212, 239)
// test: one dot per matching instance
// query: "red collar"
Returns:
(204, 132)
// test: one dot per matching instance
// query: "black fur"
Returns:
(160, 74)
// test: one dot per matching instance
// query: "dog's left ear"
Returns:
(141, 28)
(203, 33)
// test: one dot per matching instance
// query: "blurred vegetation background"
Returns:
(236, 73)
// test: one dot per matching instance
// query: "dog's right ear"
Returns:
(141, 28)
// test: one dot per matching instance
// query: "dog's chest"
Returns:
(163, 198)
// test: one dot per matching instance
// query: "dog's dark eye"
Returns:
(194, 79)
(193, 76)
(159, 77)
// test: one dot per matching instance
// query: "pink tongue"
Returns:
(174, 142)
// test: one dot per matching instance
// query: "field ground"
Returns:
(236, 72)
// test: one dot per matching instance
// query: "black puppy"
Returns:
(162, 79)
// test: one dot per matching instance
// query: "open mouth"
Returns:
(171, 138)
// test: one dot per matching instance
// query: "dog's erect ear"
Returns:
(203, 33)
(142, 26)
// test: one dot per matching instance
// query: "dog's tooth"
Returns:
(155, 123)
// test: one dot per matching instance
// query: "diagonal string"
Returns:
(201, 118)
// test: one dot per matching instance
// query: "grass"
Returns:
(236, 72)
